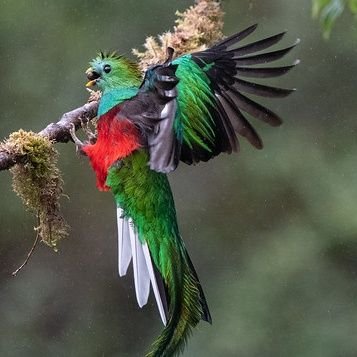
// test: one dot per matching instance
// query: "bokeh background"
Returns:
(272, 233)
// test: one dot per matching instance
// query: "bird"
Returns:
(188, 109)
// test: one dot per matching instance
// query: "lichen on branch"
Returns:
(37, 181)
(196, 28)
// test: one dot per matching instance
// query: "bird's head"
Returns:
(110, 71)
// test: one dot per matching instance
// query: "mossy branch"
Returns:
(38, 182)
(56, 132)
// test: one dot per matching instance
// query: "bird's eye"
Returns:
(107, 68)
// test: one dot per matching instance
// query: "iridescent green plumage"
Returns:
(194, 97)
(188, 109)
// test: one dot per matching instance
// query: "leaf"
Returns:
(353, 6)
(328, 11)
(317, 6)
(329, 15)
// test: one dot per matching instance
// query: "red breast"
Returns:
(117, 138)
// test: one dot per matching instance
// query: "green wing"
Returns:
(193, 108)
(212, 108)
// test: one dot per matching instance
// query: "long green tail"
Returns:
(185, 310)
(145, 196)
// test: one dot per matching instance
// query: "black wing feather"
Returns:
(240, 123)
(258, 45)
(264, 72)
(264, 57)
(225, 65)
(233, 39)
(153, 110)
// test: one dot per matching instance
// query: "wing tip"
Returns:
(254, 26)
(259, 146)
(282, 33)
(275, 124)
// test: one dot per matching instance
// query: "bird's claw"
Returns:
(92, 136)
(79, 144)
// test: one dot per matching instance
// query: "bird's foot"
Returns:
(90, 133)
(79, 144)
(88, 130)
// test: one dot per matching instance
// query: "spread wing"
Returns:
(192, 108)
(213, 100)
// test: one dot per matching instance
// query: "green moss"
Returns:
(37, 181)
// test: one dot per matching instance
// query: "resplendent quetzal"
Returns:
(187, 109)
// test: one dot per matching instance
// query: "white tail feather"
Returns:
(129, 246)
(124, 249)
(155, 288)
(141, 274)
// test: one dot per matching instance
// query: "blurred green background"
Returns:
(272, 233)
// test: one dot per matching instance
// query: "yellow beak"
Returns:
(92, 75)
(91, 83)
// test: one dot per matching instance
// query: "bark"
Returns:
(57, 132)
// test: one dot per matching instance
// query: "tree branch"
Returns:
(57, 132)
